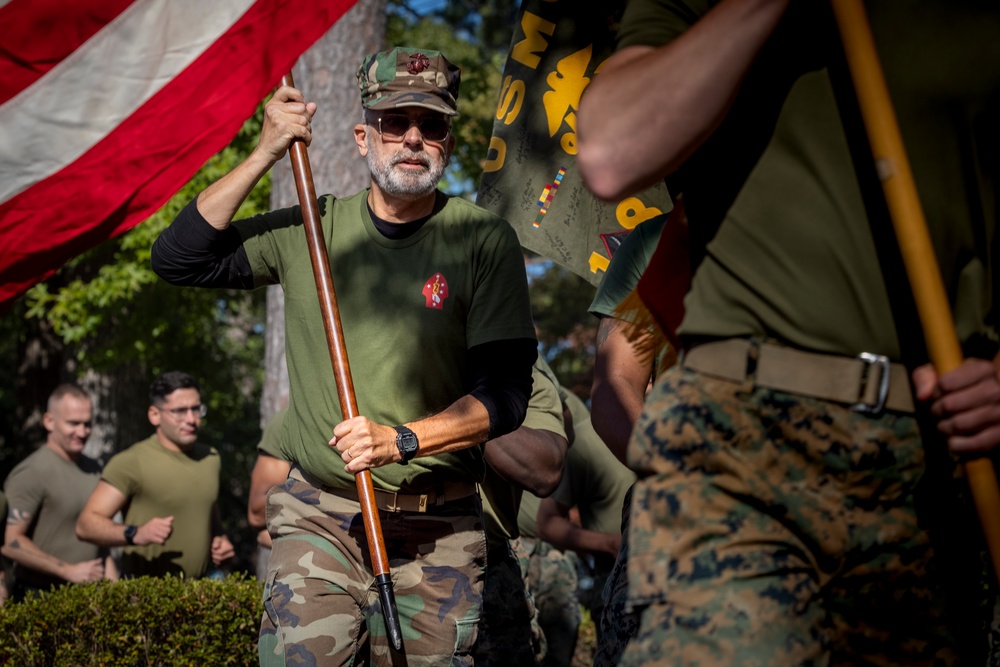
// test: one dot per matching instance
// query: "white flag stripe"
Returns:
(85, 97)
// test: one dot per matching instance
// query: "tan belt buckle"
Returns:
(391, 505)
(882, 362)
(422, 503)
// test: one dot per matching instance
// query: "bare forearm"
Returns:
(23, 551)
(531, 458)
(677, 95)
(219, 202)
(620, 406)
(464, 423)
(561, 533)
(100, 530)
(622, 371)
(365, 444)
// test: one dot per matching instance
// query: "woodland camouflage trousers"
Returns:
(321, 603)
(773, 529)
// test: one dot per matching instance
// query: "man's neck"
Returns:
(396, 210)
(171, 445)
(62, 453)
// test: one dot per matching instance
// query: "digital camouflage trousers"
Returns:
(551, 578)
(773, 529)
(320, 599)
(508, 629)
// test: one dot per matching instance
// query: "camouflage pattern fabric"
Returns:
(771, 529)
(403, 77)
(551, 578)
(617, 623)
(321, 604)
(506, 635)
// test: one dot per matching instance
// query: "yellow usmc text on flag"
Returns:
(531, 178)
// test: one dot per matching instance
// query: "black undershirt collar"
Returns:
(397, 230)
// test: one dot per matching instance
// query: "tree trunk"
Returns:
(121, 402)
(41, 368)
(326, 75)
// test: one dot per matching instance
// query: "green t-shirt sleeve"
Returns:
(656, 22)
(544, 406)
(500, 309)
(270, 441)
(122, 473)
(24, 494)
(263, 235)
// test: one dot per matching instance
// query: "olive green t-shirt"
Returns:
(793, 256)
(410, 309)
(594, 481)
(270, 439)
(161, 483)
(54, 491)
(501, 499)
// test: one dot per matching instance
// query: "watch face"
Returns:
(406, 441)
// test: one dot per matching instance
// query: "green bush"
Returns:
(147, 621)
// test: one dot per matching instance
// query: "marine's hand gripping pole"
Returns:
(302, 172)
(915, 246)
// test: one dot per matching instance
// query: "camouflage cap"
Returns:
(404, 77)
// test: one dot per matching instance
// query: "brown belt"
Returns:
(868, 383)
(391, 501)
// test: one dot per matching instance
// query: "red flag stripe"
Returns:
(83, 99)
(47, 31)
(129, 173)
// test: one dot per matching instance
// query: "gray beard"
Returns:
(405, 186)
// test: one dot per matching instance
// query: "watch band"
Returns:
(130, 532)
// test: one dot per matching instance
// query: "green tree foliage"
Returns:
(109, 305)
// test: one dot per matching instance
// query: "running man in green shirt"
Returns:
(167, 485)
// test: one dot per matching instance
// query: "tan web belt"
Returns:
(868, 383)
(391, 501)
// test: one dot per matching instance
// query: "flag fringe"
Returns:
(644, 332)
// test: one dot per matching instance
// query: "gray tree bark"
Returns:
(326, 75)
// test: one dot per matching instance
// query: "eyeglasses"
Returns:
(179, 413)
(395, 126)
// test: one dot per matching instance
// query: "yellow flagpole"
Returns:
(908, 220)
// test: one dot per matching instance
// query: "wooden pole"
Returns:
(893, 168)
(302, 173)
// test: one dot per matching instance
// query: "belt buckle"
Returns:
(391, 505)
(883, 386)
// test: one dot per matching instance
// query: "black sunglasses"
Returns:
(394, 126)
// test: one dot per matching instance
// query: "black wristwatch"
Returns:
(130, 532)
(406, 441)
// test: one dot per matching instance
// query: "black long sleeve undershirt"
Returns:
(192, 253)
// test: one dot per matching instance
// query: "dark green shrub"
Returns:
(147, 621)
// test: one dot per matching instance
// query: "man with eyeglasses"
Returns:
(167, 485)
(46, 493)
(433, 299)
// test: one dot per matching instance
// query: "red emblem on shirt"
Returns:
(436, 291)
